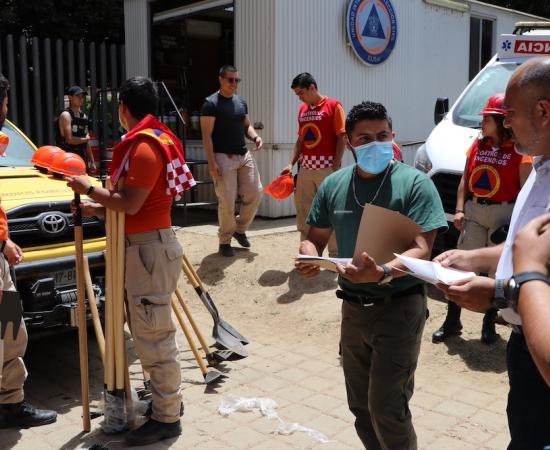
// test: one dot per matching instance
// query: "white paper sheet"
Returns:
(433, 272)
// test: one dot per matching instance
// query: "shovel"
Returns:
(81, 310)
(213, 358)
(210, 376)
(226, 336)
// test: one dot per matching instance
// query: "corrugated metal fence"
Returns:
(41, 69)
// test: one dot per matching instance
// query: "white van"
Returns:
(443, 155)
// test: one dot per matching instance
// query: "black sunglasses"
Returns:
(233, 80)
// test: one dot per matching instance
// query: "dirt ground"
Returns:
(261, 288)
(293, 325)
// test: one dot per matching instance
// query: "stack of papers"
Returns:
(325, 263)
(432, 272)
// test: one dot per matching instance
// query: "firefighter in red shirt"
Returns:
(493, 176)
(319, 148)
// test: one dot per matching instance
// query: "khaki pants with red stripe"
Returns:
(12, 368)
(306, 187)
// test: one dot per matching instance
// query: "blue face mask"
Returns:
(374, 157)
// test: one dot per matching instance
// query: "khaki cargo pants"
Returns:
(153, 267)
(380, 347)
(307, 186)
(12, 368)
(239, 176)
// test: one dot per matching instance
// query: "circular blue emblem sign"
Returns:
(372, 29)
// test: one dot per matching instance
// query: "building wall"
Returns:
(277, 39)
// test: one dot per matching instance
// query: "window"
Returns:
(492, 81)
(481, 44)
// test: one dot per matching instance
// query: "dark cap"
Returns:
(76, 90)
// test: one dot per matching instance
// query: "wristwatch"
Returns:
(500, 299)
(387, 277)
(514, 284)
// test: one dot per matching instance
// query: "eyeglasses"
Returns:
(233, 80)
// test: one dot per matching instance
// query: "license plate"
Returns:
(64, 277)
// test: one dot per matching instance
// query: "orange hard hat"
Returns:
(495, 105)
(4, 141)
(43, 157)
(67, 163)
(281, 187)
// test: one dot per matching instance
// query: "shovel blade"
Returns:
(234, 332)
(213, 376)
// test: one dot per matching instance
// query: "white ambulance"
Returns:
(443, 156)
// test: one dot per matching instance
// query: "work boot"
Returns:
(452, 325)
(150, 409)
(488, 332)
(24, 415)
(242, 239)
(153, 431)
(226, 250)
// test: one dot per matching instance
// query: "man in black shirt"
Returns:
(225, 124)
(72, 127)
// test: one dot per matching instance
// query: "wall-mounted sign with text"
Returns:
(372, 29)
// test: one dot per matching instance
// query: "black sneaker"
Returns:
(24, 415)
(447, 330)
(226, 250)
(153, 431)
(242, 239)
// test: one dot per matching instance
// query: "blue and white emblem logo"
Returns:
(372, 29)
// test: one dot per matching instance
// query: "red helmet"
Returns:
(43, 156)
(495, 105)
(67, 163)
(281, 187)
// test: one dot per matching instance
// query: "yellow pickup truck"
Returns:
(40, 222)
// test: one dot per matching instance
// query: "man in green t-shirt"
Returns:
(384, 310)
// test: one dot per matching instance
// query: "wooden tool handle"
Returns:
(189, 338)
(82, 328)
(196, 329)
(93, 309)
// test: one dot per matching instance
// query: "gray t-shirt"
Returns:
(228, 134)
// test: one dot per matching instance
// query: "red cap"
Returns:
(281, 187)
(68, 164)
(495, 105)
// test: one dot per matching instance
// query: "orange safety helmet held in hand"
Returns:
(281, 187)
(4, 141)
(67, 163)
(495, 105)
(43, 157)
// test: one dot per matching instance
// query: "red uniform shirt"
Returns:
(147, 170)
(318, 126)
(4, 234)
(494, 172)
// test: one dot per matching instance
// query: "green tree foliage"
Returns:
(90, 20)
(537, 7)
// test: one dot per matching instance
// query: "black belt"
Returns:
(365, 301)
(487, 201)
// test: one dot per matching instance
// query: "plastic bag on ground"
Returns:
(267, 407)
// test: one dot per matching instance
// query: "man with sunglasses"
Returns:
(225, 125)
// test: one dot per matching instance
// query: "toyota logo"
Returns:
(53, 223)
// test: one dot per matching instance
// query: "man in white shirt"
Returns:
(528, 115)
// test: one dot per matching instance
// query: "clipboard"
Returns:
(384, 232)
